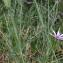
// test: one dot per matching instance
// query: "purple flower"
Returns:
(57, 35)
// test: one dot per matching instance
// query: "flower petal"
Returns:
(60, 38)
(54, 33)
(61, 35)
(58, 33)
